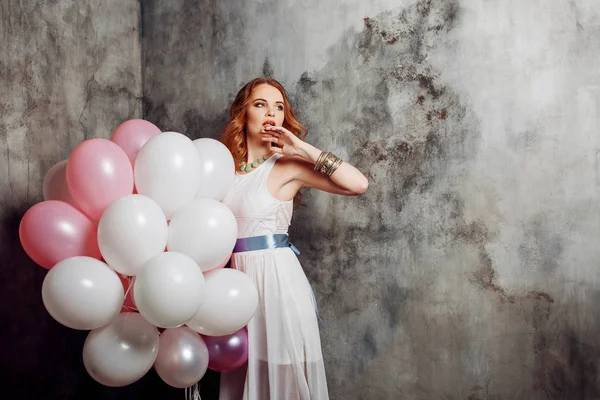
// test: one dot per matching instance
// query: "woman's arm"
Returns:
(346, 179)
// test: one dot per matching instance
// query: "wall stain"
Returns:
(401, 168)
(197, 126)
(267, 69)
(542, 248)
(477, 233)
(567, 366)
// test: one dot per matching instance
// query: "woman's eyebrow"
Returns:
(259, 99)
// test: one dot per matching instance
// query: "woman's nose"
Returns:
(270, 112)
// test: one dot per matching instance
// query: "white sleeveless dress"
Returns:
(285, 361)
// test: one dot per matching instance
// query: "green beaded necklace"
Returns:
(248, 167)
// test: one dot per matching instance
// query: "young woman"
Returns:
(284, 354)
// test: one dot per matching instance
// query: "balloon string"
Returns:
(129, 280)
(192, 392)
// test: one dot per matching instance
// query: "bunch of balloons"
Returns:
(135, 238)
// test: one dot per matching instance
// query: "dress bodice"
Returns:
(256, 211)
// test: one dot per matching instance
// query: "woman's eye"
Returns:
(280, 108)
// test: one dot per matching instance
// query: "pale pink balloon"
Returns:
(52, 231)
(132, 135)
(55, 184)
(98, 173)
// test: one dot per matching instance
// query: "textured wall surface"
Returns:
(469, 269)
(69, 71)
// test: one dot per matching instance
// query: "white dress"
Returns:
(285, 361)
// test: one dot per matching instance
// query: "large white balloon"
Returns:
(229, 300)
(182, 357)
(218, 169)
(205, 230)
(167, 169)
(82, 293)
(122, 352)
(132, 230)
(167, 290)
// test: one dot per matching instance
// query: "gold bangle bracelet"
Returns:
(332, 165)
(335, 166)
(321, 160)
(327, 163)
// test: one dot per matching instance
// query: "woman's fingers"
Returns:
(275, 130)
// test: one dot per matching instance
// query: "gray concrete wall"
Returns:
(470, 268)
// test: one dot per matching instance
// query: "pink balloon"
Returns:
(98, 173)
(132, 135)
(222, 265)
(52, 230)
(229, 352)
(55, 184)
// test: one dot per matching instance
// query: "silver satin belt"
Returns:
(273, 241)
(264, 242)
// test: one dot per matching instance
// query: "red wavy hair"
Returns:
(234, 136)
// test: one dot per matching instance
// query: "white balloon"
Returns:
(205, 230)
(229, 300)
(167, 169)
(122, 352)
(167, 289)
(132, 230)
(217, 171)
(182, 357)
(82, 293)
